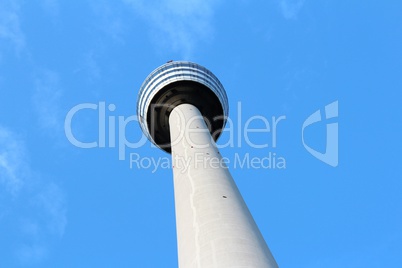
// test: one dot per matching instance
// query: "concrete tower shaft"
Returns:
(182, 108)
(214, 225)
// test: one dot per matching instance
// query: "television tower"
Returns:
(182, 109)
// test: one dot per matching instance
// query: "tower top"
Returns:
(175, 83)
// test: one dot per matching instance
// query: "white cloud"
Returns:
(109, 21)
(41, 220)
(46, 101)
(92, 66)
(291, 8)
(51, 200)
(12, 36)
(10, 30)
(35, 205)
(28, 254)
(12, 162)
(179, 25)
(51, 7)
(89, 66)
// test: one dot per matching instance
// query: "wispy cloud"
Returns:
(52, 201)
(89, 66)
(12, 162)
(109, 19)
(10, 30)
(43, 224)
(31, 253)
(291, 8)
(92, 66)
(35, 205)
(176, 24)
(11, 33)
(46, 100)
(51, 7)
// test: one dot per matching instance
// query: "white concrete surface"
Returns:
(214, 225)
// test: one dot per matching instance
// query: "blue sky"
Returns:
(64, 206)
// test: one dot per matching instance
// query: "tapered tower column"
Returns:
(214, 226)
(182, 108)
